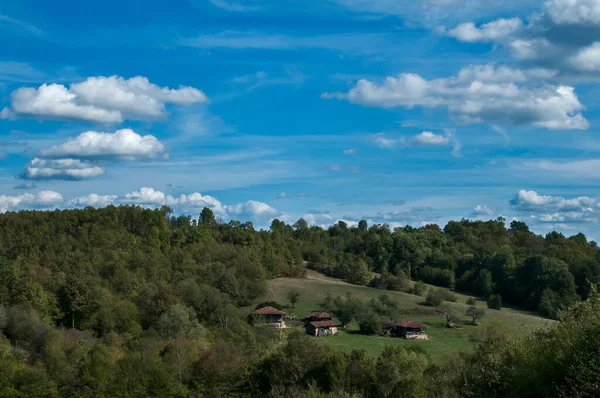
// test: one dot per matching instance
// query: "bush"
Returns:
(435, 297)
(398, 283)
(420, 289)
(449, 296)
(471, 301)
(369, 324)
(494, 302)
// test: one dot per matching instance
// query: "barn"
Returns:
(407, 329)
(271, 316)
(320, 324)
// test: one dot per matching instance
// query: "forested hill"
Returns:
(73, 266)
(128, 302)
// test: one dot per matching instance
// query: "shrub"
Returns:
(369, 324)
(495, 302)
(435, 297)
(449, 296)
(420, 289)
(471, 301)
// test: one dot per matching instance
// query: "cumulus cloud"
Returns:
(102, 99)
(43, 199)
(483, 211)
(123, 144)
(563, 36)
(587, 59)
(79, 157)
(552, 209)
(491, 31)
(150, 197)
(254, 209)
(571, 12)
(319, 219)
(428, 138)
(60, 169)
(473, 100)
(93, 200)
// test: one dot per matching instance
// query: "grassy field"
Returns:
(442, 341)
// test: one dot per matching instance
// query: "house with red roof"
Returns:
(320, 324)
(271, 316)
(406, 329)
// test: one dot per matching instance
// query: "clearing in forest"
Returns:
(442, 343)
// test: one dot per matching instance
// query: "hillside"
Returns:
(442, 343)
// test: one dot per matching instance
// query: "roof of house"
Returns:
(324, 324)
(407, 325)
(268, 310)
(319, 315)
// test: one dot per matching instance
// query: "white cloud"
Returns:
(491, 31)
(546, 208)
(102, 99)
(254, 209)
(475, 101)
(382, 141)
(350, 151)
(282, 195)
(93, 200)
(587, 59)
(563, 36)
(44, 199)
(483, 211)
(123, 144)
(197, 200)
(60, 169)
(571, 12)
(335, 167)
(428, 138)
(318, 219)
(151, 197)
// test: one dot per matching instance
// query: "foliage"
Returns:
(495, 302)
(420, 289)
(293, 296)
(435, 297)
(475, 314)
(126, 301)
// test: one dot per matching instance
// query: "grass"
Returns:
(442, 342)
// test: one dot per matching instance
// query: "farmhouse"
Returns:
(271, 316)
(320, 324)
(407, 329)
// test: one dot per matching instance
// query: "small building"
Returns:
(271, 316)
(320, 324)
(407, 329)
(321, 328)
(318, 316)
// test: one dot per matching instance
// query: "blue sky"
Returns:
(385, 110)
